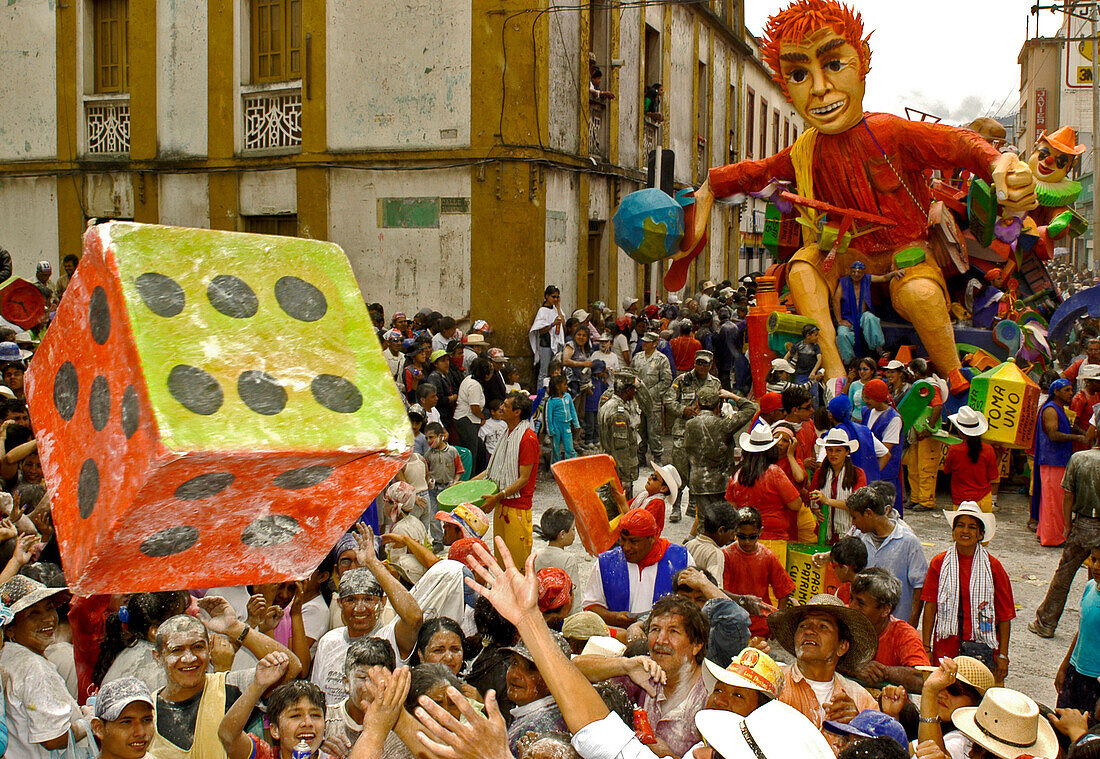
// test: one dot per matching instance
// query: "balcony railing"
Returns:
(107, 124)
(597, 128)
(649, 139)
(273, 117)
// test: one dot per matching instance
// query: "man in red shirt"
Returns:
(873, 162)
(753, 570)
(514, 467)
(1084, 402)
(876, 592)
(685, 347)
(1092, 356)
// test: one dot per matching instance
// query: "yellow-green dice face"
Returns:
(255, 343)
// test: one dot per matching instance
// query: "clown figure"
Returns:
(870, 162)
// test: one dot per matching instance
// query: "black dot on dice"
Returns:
(131, 411)
(99, 403)
(66, 390)
(303, 477)
(162, 295)
(300, 299)
(99, 316)
(204, 486)
(232, 296)
(270, 530)
(336, 393)
(196, 390)
(87, 488)
(261, 392)
(171, 540)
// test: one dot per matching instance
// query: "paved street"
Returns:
(1029, 565)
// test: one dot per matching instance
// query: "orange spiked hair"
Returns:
(803, 17)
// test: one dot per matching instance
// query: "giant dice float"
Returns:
(211, 409)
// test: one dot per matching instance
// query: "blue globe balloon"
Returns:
(649, 225)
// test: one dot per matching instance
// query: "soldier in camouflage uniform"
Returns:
(649, 421)
(618, 420)
(680, 405)
(708, 447)
(653, 369)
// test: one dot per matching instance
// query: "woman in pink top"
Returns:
(759, 483)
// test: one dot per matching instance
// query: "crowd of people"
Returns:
(423, 634)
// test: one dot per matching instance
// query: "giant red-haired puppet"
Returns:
(871, 162)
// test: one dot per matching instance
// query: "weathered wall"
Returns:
(23, 200)
(404, 269)
(563, 229)
(109, 195)
(184, 200)
(181, 77)
(678, 92)
(399, 76)
(629, 98)
(567, 78)
(268, 192)
(28, 65)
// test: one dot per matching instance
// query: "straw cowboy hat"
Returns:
(1064, 141)
(854, 626)
(837, 436)
(21, 593)
(971, 672)
(1007, 723)
(671, 478)
(970, 422)
(758, 439)
(972, 509)
(773, 731)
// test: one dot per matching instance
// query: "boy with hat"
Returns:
(752, 569)
(123, 722)
(751, 680)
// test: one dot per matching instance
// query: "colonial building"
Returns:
(454, 150)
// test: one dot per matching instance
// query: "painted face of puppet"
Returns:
(822, 72)
(1049, 164)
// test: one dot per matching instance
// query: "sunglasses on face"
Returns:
(748, 538)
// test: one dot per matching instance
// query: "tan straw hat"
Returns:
(1007, 723)
(970, 671)
(854, 626)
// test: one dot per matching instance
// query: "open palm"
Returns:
(512, 593)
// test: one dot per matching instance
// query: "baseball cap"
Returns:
(468, 518)
(704, 355)
(869, 723)
(650, 337)
(481, 326)
(438, 354)
(605, 337)
(894, 365)
(43, 266)
(392, 335)
(497, 355)
(116, 695)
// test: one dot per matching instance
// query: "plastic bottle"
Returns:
(301, 751)
(642, 728)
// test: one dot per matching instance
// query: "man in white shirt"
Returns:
(362, 595)
(628, 579)
(392, 349)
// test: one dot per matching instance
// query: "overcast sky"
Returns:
(952, 58)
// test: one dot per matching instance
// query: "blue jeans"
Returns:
(870, 330)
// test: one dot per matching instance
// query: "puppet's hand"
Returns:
(1015, 185)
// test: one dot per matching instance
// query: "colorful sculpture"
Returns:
(874, 163)
(211, 409)
(1010, 401)
(1054, 219)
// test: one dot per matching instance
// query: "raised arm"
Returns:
(515, 595)
(223, 619)
(270, 670)
(410, 616)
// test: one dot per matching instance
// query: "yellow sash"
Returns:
(206, 744)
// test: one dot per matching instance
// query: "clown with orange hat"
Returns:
(1054, 157)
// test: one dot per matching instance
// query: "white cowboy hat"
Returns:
(773, 730)
(970, 422)
(782, 365)
(1007, 723)
(972, 509)
(671, 478)
(1089, 371)
(837, 436)
(758, 439)
(602, 645)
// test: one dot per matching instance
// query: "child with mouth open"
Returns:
(295, 713)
